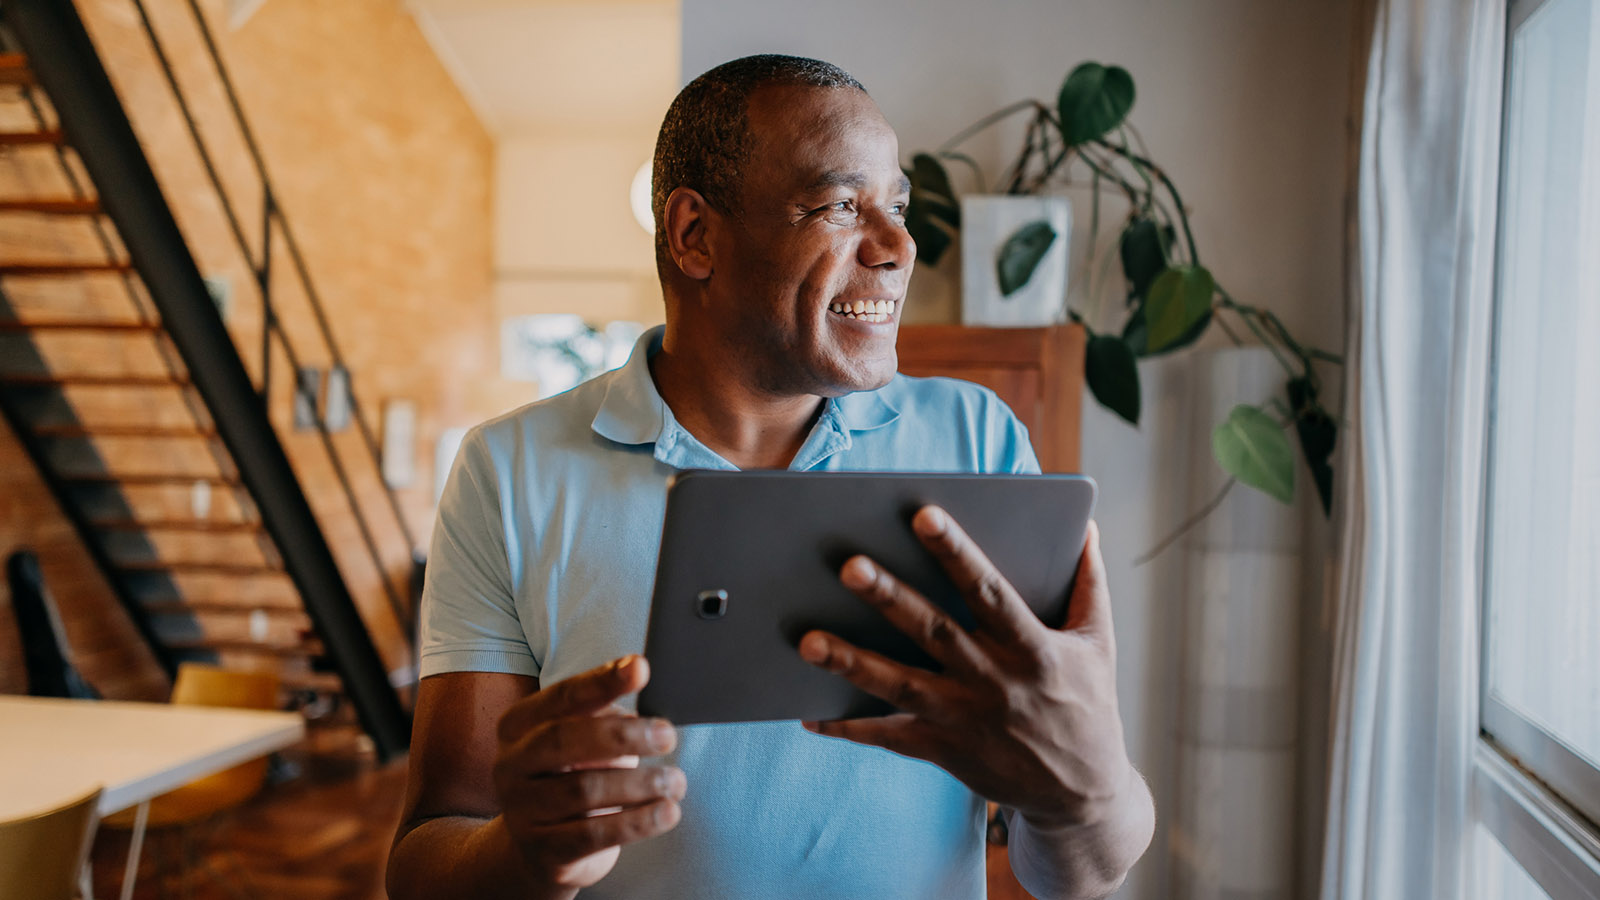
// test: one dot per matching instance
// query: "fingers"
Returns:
(900, 733)
(580, 695)
(575, 795)
(994, 603)
(933, 630)
(909, 688)
(1089, 610)
(575, 742)
(582, 837)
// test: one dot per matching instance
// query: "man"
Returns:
(781, 245)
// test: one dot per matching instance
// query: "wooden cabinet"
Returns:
(1037, 371)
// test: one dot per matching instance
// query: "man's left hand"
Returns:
(1022, 713)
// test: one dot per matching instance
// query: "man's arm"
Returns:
(1024, 714)
(1091, 859)
(448, 840)
(506, 780)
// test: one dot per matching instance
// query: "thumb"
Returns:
(1089, 610)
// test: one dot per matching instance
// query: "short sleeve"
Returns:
(469, 615)
(1011, 450)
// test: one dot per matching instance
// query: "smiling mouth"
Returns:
(875, 311)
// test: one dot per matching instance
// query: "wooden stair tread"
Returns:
(59, 207)
(195, 566)
(321, 682)
(304, 648)
(217, 607)
(199, 525)
(14, 69)
(45, 136)
(145, 478)
(122, 431)
(52, 269)
(14, 325)
(57, 379)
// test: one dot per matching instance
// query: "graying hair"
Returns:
(704, 141)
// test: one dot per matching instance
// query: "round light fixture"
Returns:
(639, 199)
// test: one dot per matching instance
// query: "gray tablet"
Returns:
(750, 562)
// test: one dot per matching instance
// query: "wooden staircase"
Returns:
(41, 369)
(173, 477)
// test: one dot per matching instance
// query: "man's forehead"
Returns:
(823, 136)
(822, 179)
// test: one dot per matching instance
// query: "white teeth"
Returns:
(866, 310)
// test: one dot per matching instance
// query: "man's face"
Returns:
(810, 272)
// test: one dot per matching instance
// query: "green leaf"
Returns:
(1252, 448)
(1318, 432)
(1113, 376)
(1021, 253)
(928, 176)
(1179, 298)
(934, 213)
(1145, 245)
(1136, 333)
(931, 238)
(1094, 100)
(935, 206)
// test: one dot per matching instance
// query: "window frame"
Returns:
(1534, 794)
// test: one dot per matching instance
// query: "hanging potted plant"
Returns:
(1172, 299)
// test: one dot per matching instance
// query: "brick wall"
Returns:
(385, 176)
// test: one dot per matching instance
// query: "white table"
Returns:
(52, 751)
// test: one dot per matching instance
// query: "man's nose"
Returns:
(886, 243)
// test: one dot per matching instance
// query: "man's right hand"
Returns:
(567, 775)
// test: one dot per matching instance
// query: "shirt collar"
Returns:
(633, 412)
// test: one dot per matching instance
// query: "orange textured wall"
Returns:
(107, 649)
(385, 175)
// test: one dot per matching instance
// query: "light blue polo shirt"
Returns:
(542, 564)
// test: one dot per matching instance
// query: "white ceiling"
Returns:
(538, 66)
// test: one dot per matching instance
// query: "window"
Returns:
(1497, 875)
(1541, 671)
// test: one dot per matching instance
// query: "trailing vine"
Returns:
(1172, 298)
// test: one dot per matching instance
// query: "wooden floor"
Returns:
(323, 835)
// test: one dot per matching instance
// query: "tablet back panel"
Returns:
(765, 549)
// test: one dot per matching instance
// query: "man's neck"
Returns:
(747, 427)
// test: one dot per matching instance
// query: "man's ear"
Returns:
(685, 221)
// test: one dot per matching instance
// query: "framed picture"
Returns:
(336, 401)
(399, 443)
(307, 384)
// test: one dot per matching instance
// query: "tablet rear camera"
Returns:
(711, 604)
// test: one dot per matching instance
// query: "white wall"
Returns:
(566, 240)
(1244, 101)
(573, 92)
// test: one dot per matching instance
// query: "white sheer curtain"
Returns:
(1405, 675)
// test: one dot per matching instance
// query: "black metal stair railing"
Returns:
(261, 264)
(94, 123)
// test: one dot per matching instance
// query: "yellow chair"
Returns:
(200, 685)
(42, 856)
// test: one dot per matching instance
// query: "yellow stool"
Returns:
(200, 685)
(42, 856)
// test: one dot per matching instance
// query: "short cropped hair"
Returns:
(704, 141)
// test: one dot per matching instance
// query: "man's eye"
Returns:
(840, 211)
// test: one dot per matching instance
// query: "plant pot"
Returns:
(987, 222)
